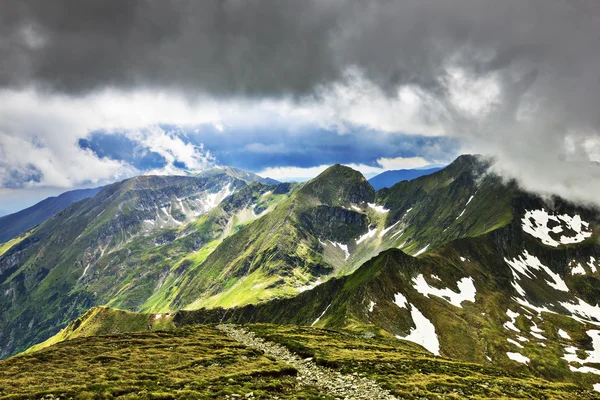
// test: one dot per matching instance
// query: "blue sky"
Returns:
(293, 152)
(50, 144)
(260, 149)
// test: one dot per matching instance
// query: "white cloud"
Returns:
(43, 130)
(403, 163)
(297, 173)
(292, 173)
(172, 147)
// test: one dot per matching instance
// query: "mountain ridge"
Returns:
(460, 262)
(14, 224)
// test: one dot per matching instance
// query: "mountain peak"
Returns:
(339, 185)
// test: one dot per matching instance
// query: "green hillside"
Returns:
(201, 362)
(119, 248)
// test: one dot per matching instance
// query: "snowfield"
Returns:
(423, 250)
(366, 236)
(535, 223)
(526, 263)
(518, 357)
(466, 290)
(378, 208)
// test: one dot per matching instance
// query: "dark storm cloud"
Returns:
(218, 46)
(540, 57)
(274, 47)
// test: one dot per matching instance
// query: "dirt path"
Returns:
(331, 382)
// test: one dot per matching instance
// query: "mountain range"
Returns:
(388, 179)
(460, 263)
(13, 225)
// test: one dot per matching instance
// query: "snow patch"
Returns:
(584, 310)
(465, 209)
(524, 264)
(372, 306)
(400, 300)
(518, 357)
(519, 345)
(593, 356)
(378, 208)
(535, 332)
(423, 333)
(518, 288)
(309, 286)
(386, 230)
(510, 325)
(527, 305)
(366, 236)
(344, 248)
(563, 334)
(321, 316)
(592, 265)
(423, 250)
(535, 223)
(466, 290)
(578, 270)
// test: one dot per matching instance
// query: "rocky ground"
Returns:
(334, 383)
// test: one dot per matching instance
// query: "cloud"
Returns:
(516, 79)
(383, 164)
(56, 140)
(402, 163)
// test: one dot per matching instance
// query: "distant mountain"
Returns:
(246, 176)
(388, 179)
(121, 246)
(13, 225)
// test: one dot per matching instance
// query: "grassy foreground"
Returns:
(200, 362)
(410, 372)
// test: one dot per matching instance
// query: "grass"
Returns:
(196, 362)
(200, 362)
(410, 372)
(4, 247)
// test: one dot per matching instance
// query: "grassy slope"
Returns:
(199, 362)
(43, 275)
(293, 246)
(277, 253)
(4, 247)
(408, 371)
(473, 332)
(191, 363)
